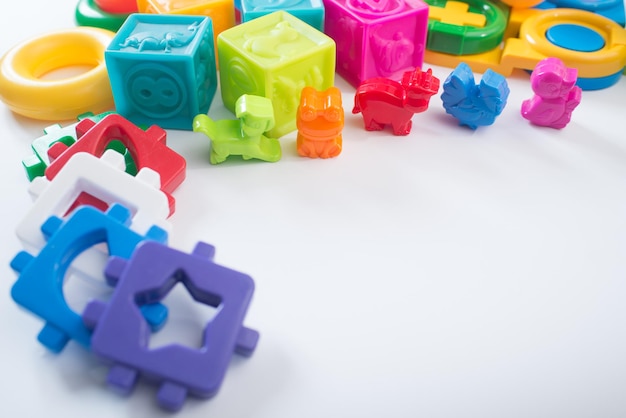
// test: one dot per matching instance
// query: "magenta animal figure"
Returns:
(382, 101)
(556, 95)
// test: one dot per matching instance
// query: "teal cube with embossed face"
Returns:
(162, 69)
(274, 56)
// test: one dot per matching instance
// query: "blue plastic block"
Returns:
(162, 69)
(309, 11)
(39, 287)
(474, 105)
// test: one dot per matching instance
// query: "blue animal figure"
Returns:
(474, 105)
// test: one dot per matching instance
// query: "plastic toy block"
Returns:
(320, 123)
(611, 9)
(89, 14)
(147, 148)
(529, 43)
(162, 69)
(103, 179)
(556, 95)
(36, 164)
(274, 56)
(39, 287)
(122, 336)
(376, 38)
(383, 101)
(309, 11)
(466, 27)
(474, 104)
(221, 12)
(244, 136)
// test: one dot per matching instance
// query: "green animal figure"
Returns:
(244, 135)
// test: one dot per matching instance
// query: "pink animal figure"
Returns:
(386, 102)
(555, 97)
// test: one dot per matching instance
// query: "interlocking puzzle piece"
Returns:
(39, 287)
(274, 56)
(121, 335)
(386, 102)
(243, 136)
(147, 148)
(89, 14)
(320, 123)
(309, 11)
(528, 44)
(376, 38)
(466, 27)
(556, 95)
(221, 12)
(474, 105)
(104, 179)
(162, 69)
(36, 164)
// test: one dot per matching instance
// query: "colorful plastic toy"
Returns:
(243, 136)
(221, 12)
(274, 56)
(39, 287)
(102, 179)
(612, 9)
(386, 102)
(121, 335)
(556, 95)
(24, 90)
(117, 6)
(89, 14)
(36, 164)
(376, 38)
(593, 44)
(162, 69)
(466, 27)
(148, 149)
(474, 105)
(320, 122)
(309, 11)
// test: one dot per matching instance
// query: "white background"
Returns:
(449, 273)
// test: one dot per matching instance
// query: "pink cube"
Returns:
(376, 38)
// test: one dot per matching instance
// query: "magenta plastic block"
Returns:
(122, 335)
(376, 38)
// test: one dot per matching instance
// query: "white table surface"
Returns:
(450, 273)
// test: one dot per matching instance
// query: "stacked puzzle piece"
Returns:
(129, 216)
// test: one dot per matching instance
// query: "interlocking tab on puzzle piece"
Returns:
(148, 149)
(527, 46)
(471, 104)
(36, 164)
(104, 179)
(556, 95)
(121, 335)
(39, 287)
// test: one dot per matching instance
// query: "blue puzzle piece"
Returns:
(474, 105)
(39, 287)
(611, 9)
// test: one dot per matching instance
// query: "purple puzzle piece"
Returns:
(121, 335)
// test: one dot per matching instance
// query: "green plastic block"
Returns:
(274, 56)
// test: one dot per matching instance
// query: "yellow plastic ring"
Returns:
(608, 60)
(26, 93)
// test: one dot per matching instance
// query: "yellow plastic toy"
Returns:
(24, 90)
